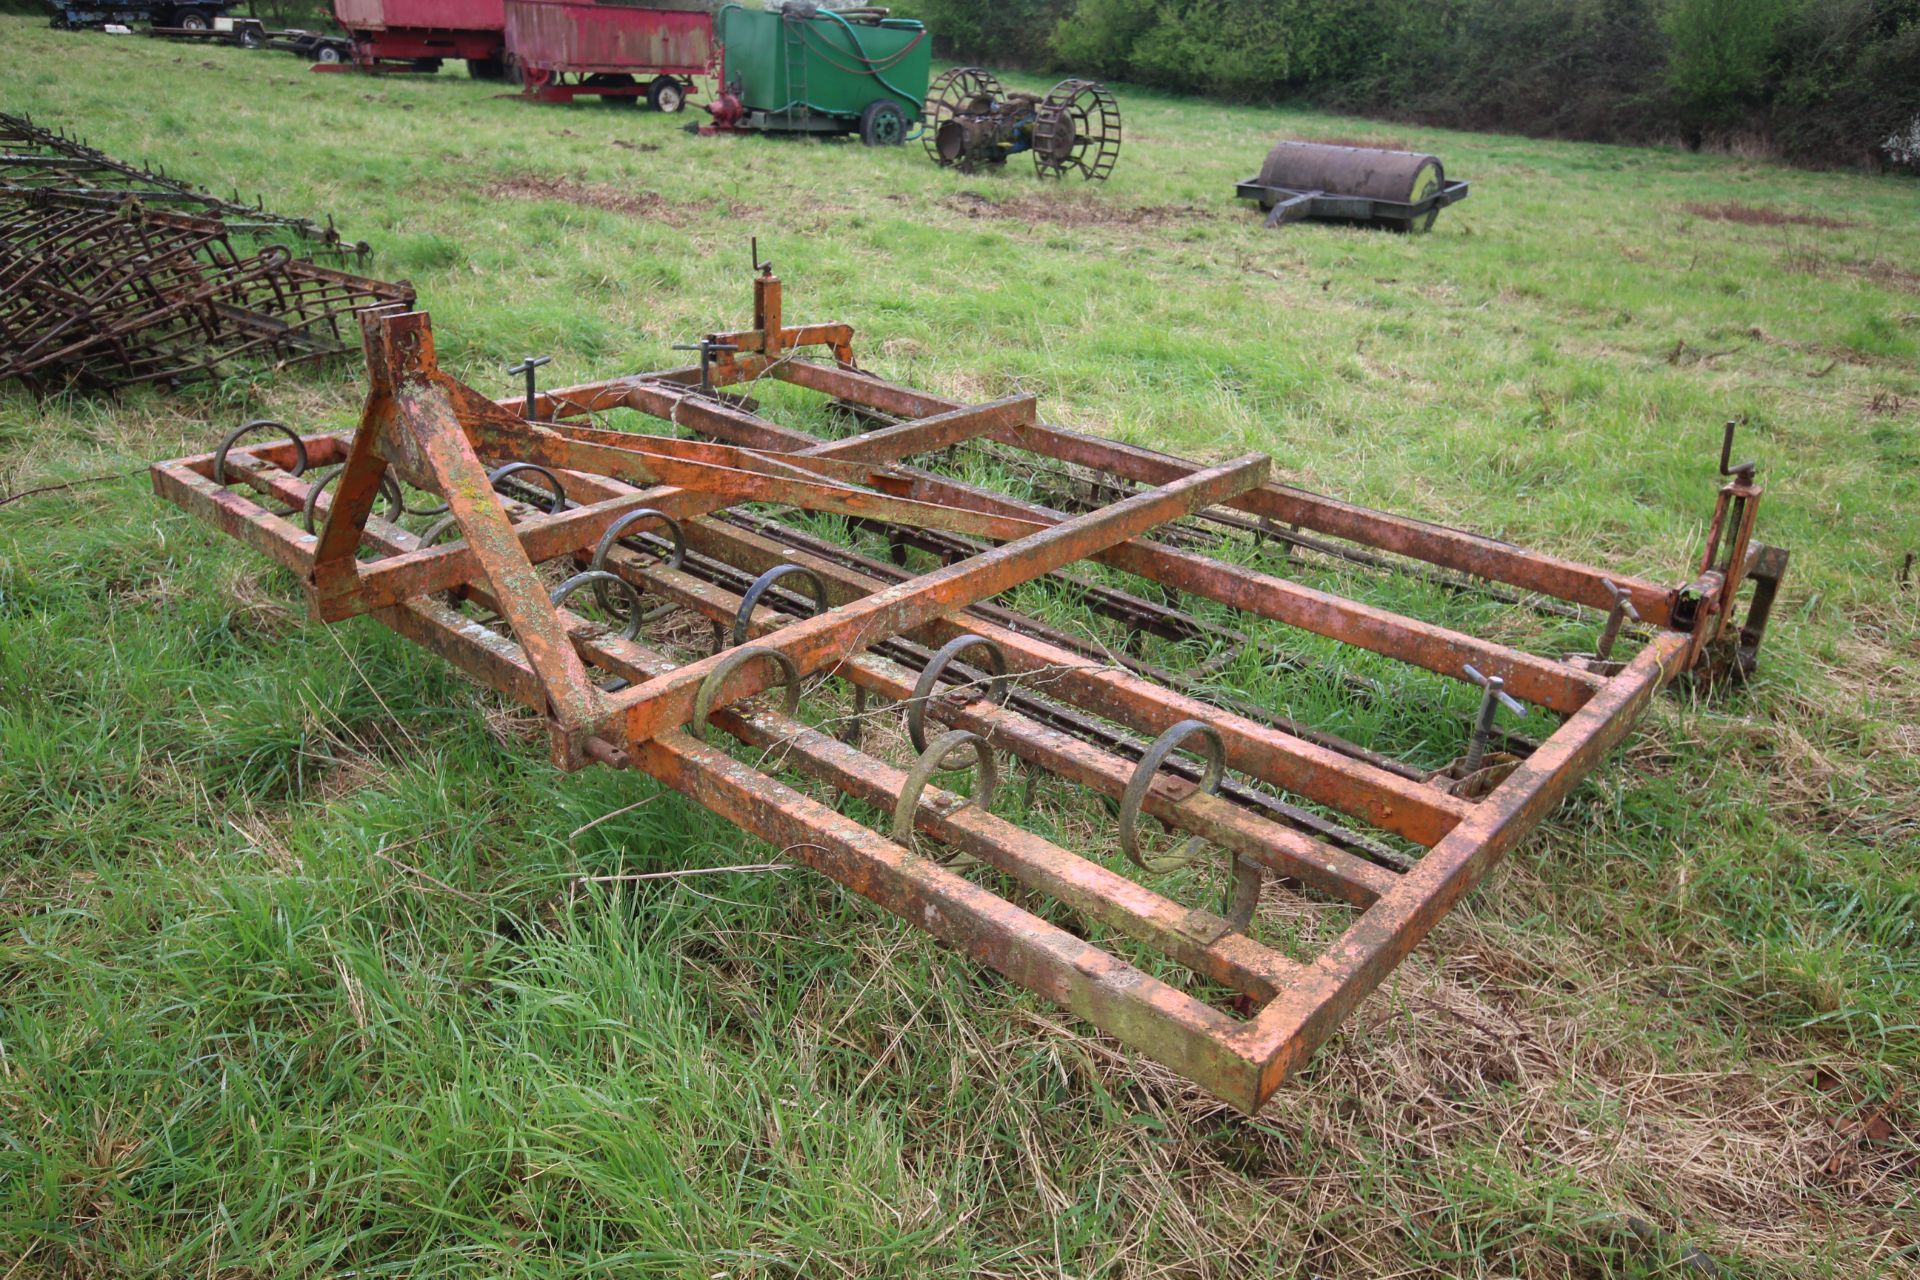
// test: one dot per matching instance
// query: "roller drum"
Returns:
(1404, 176)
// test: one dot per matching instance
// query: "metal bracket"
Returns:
(706, 347)
(1742, 472)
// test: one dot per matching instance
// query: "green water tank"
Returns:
(813, 69)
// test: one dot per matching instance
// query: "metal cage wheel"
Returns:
(674, 559)
(1077, 128)
(955, 92)
(555, 506)
(743, 616)
(247, 428)
(936, 759)
(389, 489)
(600, 580)
(998, 690)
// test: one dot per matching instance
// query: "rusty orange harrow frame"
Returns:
(671, 514)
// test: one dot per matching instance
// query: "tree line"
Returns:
(1818, 81)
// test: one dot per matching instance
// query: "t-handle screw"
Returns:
(1493, 696)
(530, 410)
(1621, 611)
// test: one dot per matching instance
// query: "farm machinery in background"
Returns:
(198, 21)
(419, 35)
(1403, 190)
(187, 15)
(556, 50)
(971, 122)
(805, 69)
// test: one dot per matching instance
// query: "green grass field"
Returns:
(293, 976)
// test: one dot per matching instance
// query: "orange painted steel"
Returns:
(482, 601)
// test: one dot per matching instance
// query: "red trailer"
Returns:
(560, 49)
(419, 35)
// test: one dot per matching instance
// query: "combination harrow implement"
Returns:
(559, 560)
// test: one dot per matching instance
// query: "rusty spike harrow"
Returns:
(652, 523)
(113, 296)
(37, 159)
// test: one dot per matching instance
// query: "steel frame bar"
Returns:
(1556, 686)
(1456, 549)
(841, 632)
(1287, 852)
(441, 436)
(1284, 1034)
(1417, 811)
(443, 568)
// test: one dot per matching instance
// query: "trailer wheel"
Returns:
(191, 20)
(328, 54)
(251, 38)
(883, 123)
(486, 68)
(667, 94)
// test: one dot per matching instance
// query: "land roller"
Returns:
(1404, 190)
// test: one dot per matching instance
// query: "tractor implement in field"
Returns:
(572, 556)
(1404, 190)
(560, 50)
(799, 67)
(109, 296)
(183, 15)
(971, 122)
(416, 35)
(34, 158)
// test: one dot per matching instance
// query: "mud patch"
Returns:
(612, 199)
(1076, 211)
(1749, 215)
(1886, 273)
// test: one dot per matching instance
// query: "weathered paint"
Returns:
(588, 38)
